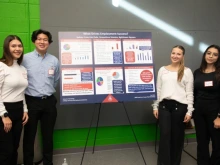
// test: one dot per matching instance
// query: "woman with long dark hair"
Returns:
(207, 106)
(174, 106)
(13, 109)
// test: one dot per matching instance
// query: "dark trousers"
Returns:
(9, 142)
(171, 117)
(205, 113)
(45, 111)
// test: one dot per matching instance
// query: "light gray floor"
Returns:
(127, 156)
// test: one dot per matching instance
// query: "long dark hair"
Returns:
(182, 66)
(7, 57)
(203, 65)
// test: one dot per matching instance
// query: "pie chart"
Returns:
(99, 81)
(66, 46)
(115, 75)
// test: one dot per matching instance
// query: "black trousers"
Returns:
(45, 111)
(9, 142)
(205, 113)
(171, 117)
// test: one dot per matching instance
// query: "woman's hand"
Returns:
(217, 123)
(156, 113)
(25, 118)
(187, 119)
(7, 124)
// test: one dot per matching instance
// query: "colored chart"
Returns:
(66, 46)
(115, 75)
(99, 81)
(81, 57)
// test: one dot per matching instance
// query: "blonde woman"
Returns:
(174, 106)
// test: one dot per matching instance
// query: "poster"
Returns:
(105, 67)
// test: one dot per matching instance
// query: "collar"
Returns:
(38, 55)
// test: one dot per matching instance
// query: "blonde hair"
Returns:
(182, 66)
(181, 70)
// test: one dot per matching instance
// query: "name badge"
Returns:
(51, 71)
(208, 83)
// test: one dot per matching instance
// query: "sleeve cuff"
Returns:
(189, 113)
(2, 112)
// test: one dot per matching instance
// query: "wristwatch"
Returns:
(5, 114)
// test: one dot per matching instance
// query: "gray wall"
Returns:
(197, 18)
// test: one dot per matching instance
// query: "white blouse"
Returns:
(169, 88)
(13, 82)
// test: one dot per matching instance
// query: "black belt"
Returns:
(40, 98)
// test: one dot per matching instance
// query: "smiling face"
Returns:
(16, 49)
(42, 43)
(176, 55)
(211, 55)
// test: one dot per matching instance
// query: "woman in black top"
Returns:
(207, 106)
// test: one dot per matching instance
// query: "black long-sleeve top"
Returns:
(206, 86)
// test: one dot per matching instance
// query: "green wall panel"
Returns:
(19, 17)
(73, 138)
